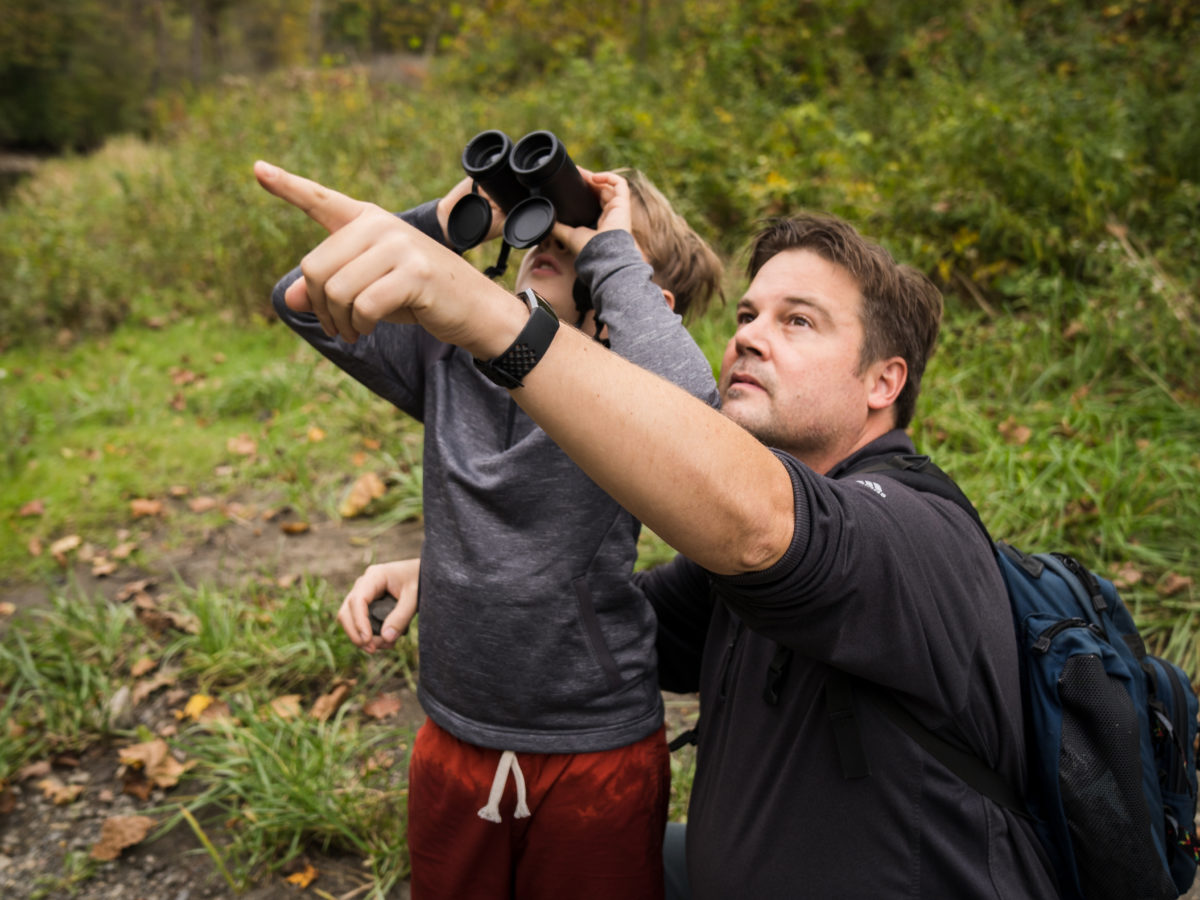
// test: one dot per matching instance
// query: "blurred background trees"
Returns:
(75, 71)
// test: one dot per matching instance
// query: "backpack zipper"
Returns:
(1086, 578)
(1043, 641)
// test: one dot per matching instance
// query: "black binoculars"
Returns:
(533, 181)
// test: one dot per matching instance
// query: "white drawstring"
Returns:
(491, 812)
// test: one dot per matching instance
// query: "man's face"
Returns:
(790, 372)
(549, 268)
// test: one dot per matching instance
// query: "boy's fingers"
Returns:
(323, 205)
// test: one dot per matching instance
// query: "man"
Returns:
(861, 581)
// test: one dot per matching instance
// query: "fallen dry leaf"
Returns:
(103, 566)
(145, 688)
(305, 877)
(35, 546)
(202, 504)
(294, 527)
(1175, 584)
(135, 784)
(119, 832)
(1014, 433)
(64, 545)
(143, 755)
(242, 445)
(1127, 576)
(37, 769)
(179, 490)
(7, 609)
(58, 793)
(382, 706)
(33, 508)
(143, 666)
(359, 459)
(244, 511)
(196, 705)
(287, 706)
(315, 435)
(328, 704)
(379, 761)
(133, 589)
(8, 799)
(154, 760)
(123, 551)
(144, 506)
(368, 487)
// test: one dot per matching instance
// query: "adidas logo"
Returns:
(873, 486)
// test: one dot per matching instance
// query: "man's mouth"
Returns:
(743, 378)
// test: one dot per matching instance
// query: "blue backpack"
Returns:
(1111, 729)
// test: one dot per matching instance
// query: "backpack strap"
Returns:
(963, 763)
(919, 473)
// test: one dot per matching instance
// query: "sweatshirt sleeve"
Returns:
(641, 327)
(681, 597)
(391, 359)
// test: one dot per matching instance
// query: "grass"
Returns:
(202, 407)
(271, 775)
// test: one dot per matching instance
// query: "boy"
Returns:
(533, 639)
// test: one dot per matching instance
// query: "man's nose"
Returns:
(753, 337)
(551, 243)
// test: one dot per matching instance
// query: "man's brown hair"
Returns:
(683, 262)
(901, 308)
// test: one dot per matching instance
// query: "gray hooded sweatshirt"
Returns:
(533, 636)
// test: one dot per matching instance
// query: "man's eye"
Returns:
(802, 321)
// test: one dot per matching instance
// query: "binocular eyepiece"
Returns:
(534, 182)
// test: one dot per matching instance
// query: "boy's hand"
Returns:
(616, 210)
(400, 579)
(455, 194)
(374, 267)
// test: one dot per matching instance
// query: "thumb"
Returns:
(296, 296)
(324, 206)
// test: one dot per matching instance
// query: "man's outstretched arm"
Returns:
(701, 482)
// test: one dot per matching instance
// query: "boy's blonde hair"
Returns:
(683, 262)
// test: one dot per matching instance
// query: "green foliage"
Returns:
(58, 671)
(282, 786)
(70, 71)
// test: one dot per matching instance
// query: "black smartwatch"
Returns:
(527, 350)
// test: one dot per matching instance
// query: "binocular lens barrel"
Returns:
(541, 163)
(486, 159)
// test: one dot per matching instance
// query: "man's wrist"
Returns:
(508, 368)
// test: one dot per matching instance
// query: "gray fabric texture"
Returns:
(533, 637)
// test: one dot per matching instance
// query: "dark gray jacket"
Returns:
(899, 589)
(532, 635)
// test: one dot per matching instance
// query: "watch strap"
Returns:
(527, 350)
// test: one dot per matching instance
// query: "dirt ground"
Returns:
(39, 839)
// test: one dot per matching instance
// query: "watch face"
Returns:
(533, 300)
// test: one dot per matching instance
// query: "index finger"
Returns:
(323, 205)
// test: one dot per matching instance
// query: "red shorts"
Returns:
(594, 830)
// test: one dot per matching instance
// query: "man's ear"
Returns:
(669, 296)
(886, 380)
